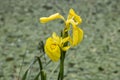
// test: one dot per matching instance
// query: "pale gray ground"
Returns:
(96, 58)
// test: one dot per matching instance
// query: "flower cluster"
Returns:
(55, 44)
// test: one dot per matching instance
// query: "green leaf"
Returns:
(40, 63)
(27, 71)
(37, 77)
(25, 75)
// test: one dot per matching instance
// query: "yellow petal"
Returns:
(74, 16)
(52, 49)
(66, 48)
(77, 36)
(54, 35)
(52, 17)
(56, 38)
(64, 40)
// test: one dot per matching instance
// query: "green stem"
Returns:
(61, 73)
(43, 74)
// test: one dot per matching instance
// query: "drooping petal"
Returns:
(52, 49)
(52, 17)
(74, 16)
(77, 36)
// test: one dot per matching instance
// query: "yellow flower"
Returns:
(52, 17)
(52, 49)
(54, 45)
(72, 15)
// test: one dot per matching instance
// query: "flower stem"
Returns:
(61, 73)
(43, 74)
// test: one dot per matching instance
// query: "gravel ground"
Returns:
(96, 58)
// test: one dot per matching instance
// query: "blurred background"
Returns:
(96, 58)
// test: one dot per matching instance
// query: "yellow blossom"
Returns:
(72, 15)
(52, 49)
(54, 45)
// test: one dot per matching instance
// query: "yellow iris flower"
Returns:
(54, 45)
(74, 19)
(72, 15)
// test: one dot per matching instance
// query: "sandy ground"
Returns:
(96, 58)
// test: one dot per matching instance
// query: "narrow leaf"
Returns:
(25, 75)
(37, 77)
